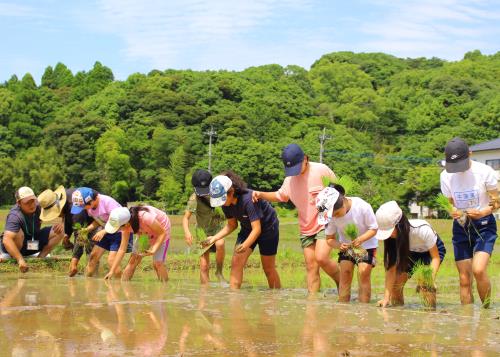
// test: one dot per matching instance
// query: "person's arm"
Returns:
(161, 233)
(185, 225)
(252, 237)
(390, 280)
(268, 196)
(435, 261)
(230, 226)
(10, 245)
(369, 234)
(494, 200)
(486, 211)
(331, 240)
(122, 250)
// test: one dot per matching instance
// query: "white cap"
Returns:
(24, 192)
(218, 190)
(325, 200)
(388, 216)
(117, 218)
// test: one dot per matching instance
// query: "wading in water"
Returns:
(471, 188)
(406, 244)
(303, 182)
(259, 226)
(351, 229)
(99, 207)
(140, 220)
(208, 220)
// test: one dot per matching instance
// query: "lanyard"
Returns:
(32, 227)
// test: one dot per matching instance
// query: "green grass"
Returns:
(289, 260)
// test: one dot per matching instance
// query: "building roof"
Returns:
(488, 145)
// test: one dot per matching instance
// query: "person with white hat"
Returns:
(259, 226)
(147, 220)
(472, 189)
(56, 204)
(406, 243)
(23, 235)
(345, 214)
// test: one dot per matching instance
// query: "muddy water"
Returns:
(60, 316)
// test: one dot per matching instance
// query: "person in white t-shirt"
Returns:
(342, 211)
(410, 241)
(471, 187)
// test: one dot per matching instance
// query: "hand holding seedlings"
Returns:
(344, 247)
(206, 242)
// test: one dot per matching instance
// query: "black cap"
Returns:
(457, 156)
(201, 181)
(292, 157)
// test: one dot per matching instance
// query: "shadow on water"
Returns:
(57, 316)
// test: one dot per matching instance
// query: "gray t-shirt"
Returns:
(17, 220)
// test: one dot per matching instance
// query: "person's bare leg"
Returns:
(269, 266)
(132, 264)
(161, 271)
(204, 268)
(365, 284)
(322, 254)
(237, 264)
(312, 269)
(479, 269)
(465, 275)
(397, 296)
(73, 266)
(94, 258)
(111, 259)
(220, 253)
(54, 239)
(346, 273)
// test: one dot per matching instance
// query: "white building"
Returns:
(488, 153)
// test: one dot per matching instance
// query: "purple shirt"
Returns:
(101, 213)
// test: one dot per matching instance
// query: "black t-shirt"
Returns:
(246, 212)
(17, 220)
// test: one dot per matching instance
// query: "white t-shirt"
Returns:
(468, 188)
(361, 214)
(422, 236)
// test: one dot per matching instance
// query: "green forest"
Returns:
(140, 139)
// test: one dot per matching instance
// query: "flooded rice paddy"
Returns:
(57, 316)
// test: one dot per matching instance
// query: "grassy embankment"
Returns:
(183, 265)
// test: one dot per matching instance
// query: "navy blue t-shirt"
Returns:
(246, 211)
(17, 220)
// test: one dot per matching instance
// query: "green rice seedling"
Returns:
(425, 284)
(142, 243)
(82, 236)
(444, 204)
(357, 253)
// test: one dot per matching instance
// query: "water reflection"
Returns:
(60, 316)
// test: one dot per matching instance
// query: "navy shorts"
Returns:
(42, 236)
(425, 257)
(476, 236)
(370, 258)
(111, 242)
(267, 241)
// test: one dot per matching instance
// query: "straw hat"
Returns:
(52, 203)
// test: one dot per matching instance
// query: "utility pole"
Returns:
(322, 138)
(210, 134)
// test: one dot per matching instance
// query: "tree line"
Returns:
(140, 139)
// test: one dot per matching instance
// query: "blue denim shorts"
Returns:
(425, 257)
(476, 236)
(111, 242)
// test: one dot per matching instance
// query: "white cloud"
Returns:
(447, 28)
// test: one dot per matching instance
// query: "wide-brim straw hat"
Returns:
(52, 203)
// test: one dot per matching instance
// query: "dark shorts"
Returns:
(425, 257)
(476, 236)
(42, 236)
(267, 241)
(370, 258)
(79, 247)
(111, 242)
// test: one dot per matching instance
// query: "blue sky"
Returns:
(138, 36)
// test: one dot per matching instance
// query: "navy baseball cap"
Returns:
(292, 157)
(201, 180)
(457, 156)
